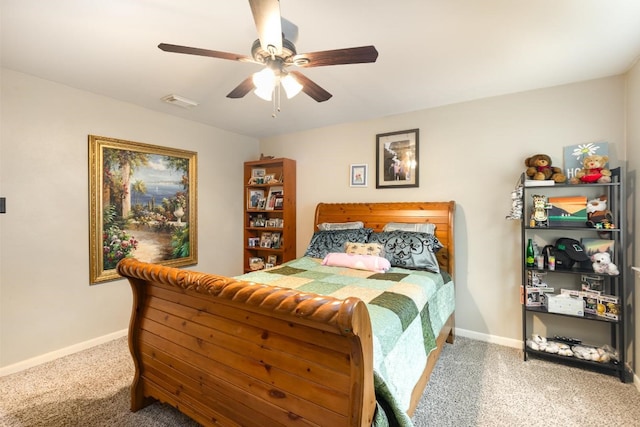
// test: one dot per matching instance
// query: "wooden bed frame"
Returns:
(227, 352)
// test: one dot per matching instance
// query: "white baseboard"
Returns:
(492, 339)
(48, 357)
(510, 342)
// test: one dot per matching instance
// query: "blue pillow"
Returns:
(408, 249)
(324, 242)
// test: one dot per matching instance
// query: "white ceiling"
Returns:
(431, 52)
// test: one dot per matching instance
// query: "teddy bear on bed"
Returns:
(593, 170)
(539, 168)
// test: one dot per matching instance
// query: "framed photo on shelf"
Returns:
(278, 202)
(358, 175)
(272, 259)
(271, 198)
(254, 197)
(397, 159)
(269, 177)
(275, 240)
(258, 221)
(262, 204)
(256, 263)
(272, 223)
(253, 242)
(265, 239)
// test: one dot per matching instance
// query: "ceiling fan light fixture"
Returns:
(264, 93)
(291, 86)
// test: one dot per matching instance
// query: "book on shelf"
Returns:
(538, 182)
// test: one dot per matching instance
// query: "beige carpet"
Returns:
(474, 384)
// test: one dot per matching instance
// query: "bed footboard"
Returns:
(226, 352)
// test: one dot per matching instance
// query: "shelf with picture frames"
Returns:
(269, 213)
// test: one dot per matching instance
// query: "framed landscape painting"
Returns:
(142, 204)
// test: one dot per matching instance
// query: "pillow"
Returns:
(324, 242)
(424, 227)
(409, 249)
(361, 262)
(363, 248)
(354, 225)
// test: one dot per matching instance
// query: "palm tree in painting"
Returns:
(140, 188)
(120, 165)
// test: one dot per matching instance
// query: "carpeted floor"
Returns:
(474, 384)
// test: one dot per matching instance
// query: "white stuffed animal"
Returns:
(602, 264)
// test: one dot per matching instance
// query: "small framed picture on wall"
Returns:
(358, 175)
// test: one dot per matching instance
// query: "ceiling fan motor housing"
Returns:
(262, 56)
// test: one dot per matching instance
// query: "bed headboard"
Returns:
(376, 215)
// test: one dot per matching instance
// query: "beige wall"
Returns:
(472, 153)
(46, 301)
(633, 158)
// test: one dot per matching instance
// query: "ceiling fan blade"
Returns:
(204, 52)
(311, 88)
(266, 14)
(242, 89)
(352, 55)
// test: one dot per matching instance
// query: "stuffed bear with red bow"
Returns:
(539, 168)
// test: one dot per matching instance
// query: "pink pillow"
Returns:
(361, 262)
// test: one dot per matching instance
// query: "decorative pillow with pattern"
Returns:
(363, 248)
(324, 242)
(325, 226)
(409, 249)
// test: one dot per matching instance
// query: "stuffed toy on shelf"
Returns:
(539, 168)
(598, 216)
(593, 170)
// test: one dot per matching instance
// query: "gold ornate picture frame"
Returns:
(142, 204)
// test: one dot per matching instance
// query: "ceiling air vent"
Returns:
(179, 101)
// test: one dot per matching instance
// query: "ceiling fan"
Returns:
(277, 53)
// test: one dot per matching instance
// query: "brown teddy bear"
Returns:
(593, 170)
(539, 168)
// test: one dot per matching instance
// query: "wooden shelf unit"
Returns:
(284, 170)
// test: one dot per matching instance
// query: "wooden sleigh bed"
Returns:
(231, 352)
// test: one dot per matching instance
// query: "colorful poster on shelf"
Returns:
(575, 154)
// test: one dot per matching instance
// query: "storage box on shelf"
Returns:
(554, 211)
(269, 213)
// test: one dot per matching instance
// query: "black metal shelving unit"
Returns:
(615, 285)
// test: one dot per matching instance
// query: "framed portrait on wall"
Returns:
(397, 159)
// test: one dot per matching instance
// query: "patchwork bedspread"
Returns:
(408, 308)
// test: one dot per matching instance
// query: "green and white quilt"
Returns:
(408, 308)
